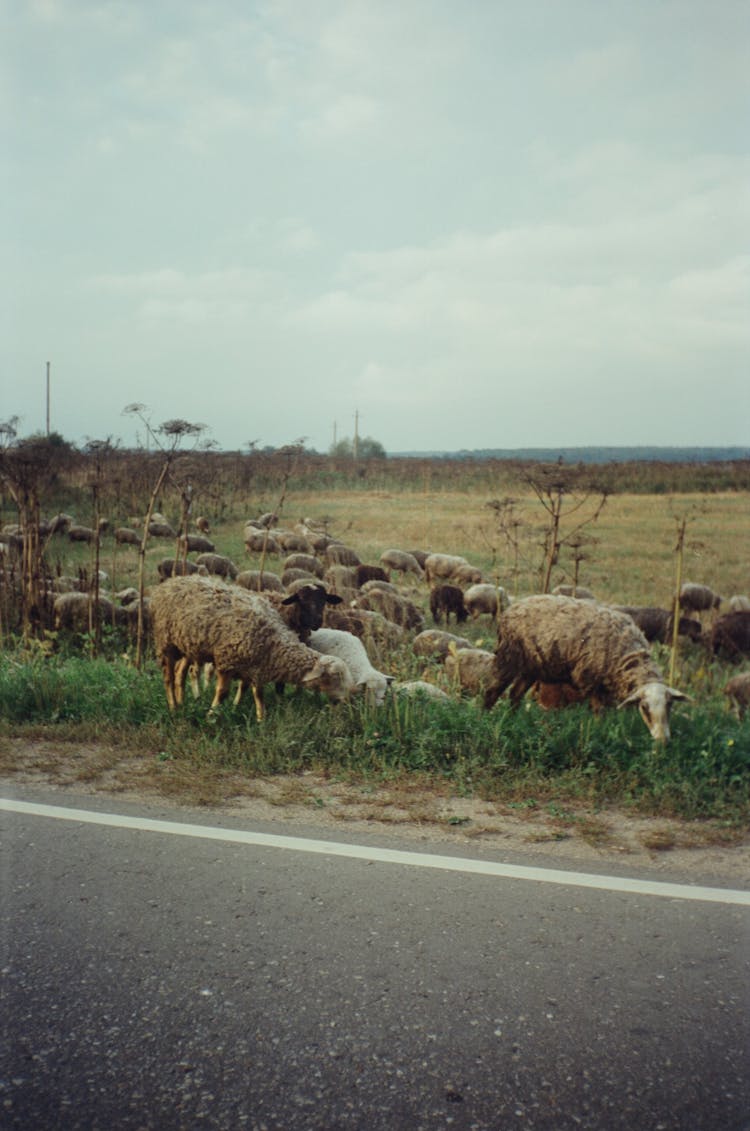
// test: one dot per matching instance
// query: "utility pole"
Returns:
(334, 434)
(48, 400)
(355, 445)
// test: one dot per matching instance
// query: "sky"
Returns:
(487, 224)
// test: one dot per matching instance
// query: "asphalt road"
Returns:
(151, 980)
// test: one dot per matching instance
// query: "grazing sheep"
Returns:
(307, 562)
(434, 642)
(202, 524)
(197, 621)
(443, 567)
(658, 624)
(197, 544)
(60, 523)
(125, 536)
(268, 519)
(467, 575)
(218, 565)
(161, 529)
(737, 690)
(341, 579)
(578, 591)
(388, 586)
(697, 598)
(71, 611)
(419, 688)
(336, 553)
(289, 576)
(470, 668)
(367, 573)
(485, 599)
(447, 600)
(597, 650)
(731, 634)
(399, 609)
(739, 604)
(82, 534)
(420, 555)
(350, 649)
(400, 561)
(291, 542)
(172, 567)
(365, 624)
(256, 541)
(255, 580)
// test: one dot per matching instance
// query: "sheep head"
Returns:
(654, 701)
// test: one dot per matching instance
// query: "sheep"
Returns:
(171, 567)
(307, 562)
(161, 529)
(578, 591)
(446, 600)
(443, 567)
(257, 541)
(350, 649)
(738, 603)
(198, 620)
(393, 606)
(268, 519)
(434, 642)
(303, 610)
(698, 598)
(125, 536)
(71, 611)
(400, 561)
(197, 544)
(731, 634)
(470, 668)
(218, 565)
(82, 534)
(367, 573)
(336, 553)
(420, 555)
(467, 575)
(485, 599)
(60, 523)
(387, 586)
(365, 624)
(596, 649)
(419, 688)
(291, 542)
(737, 690)
(658, 624)
(341, 578)
(254, 579)
(202, 524)
(289, 576)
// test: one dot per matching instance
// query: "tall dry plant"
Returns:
(572, 500)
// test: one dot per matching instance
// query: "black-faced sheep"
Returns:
(198, 621)
(737, 691)
(446, 601)
(731, 635)
(302, 611)
(596, 649)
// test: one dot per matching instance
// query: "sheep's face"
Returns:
(654, 701)
(331, 676)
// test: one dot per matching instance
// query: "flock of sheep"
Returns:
(325, 616)
(320, 621)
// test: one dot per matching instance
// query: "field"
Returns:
(571, 767)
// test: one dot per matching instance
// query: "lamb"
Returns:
(351, 650)
(737, 690)
(485, 599)
(400, 561)
(435, 642)
(731, 634)
(442, 567)
(198, 621)
(596, 649)
(658, 624)
(697, 598)
(446, 600)
(218, 565)
(470, 668)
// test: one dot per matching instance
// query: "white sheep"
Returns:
(200, 620)
(596, 649)
(350, 649)
(401, 561)
(419, 687)
(739, 603)
(445, 567)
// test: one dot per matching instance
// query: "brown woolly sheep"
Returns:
(401, 561)
(198, 621)
(435, 642)
(444, 567)
(125, 536)
(367, 573)
(172, 567)
(256, 541)
(737, 691)
(658, 624)
(470, 668)
(447, 601)
(336, 553)
(399, 609)
(365, 624)
(307, 562)
(731, 635)
(218, 565)
(596, 649)
(203, 525)
(698, 598)
(197, 544)
(255, 580)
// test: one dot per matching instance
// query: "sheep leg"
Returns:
(180, 675)
(493, 693)
(258, 697)
(223, 683)
(167, 671)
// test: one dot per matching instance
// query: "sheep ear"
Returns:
(673, 693)
(333, 599)
(390, 679)
(634, 698)
(292, 600)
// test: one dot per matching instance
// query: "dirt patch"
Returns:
(575, 837)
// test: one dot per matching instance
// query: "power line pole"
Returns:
(355, 446)
(48, 400)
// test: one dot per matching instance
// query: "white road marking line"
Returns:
(384, 855)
